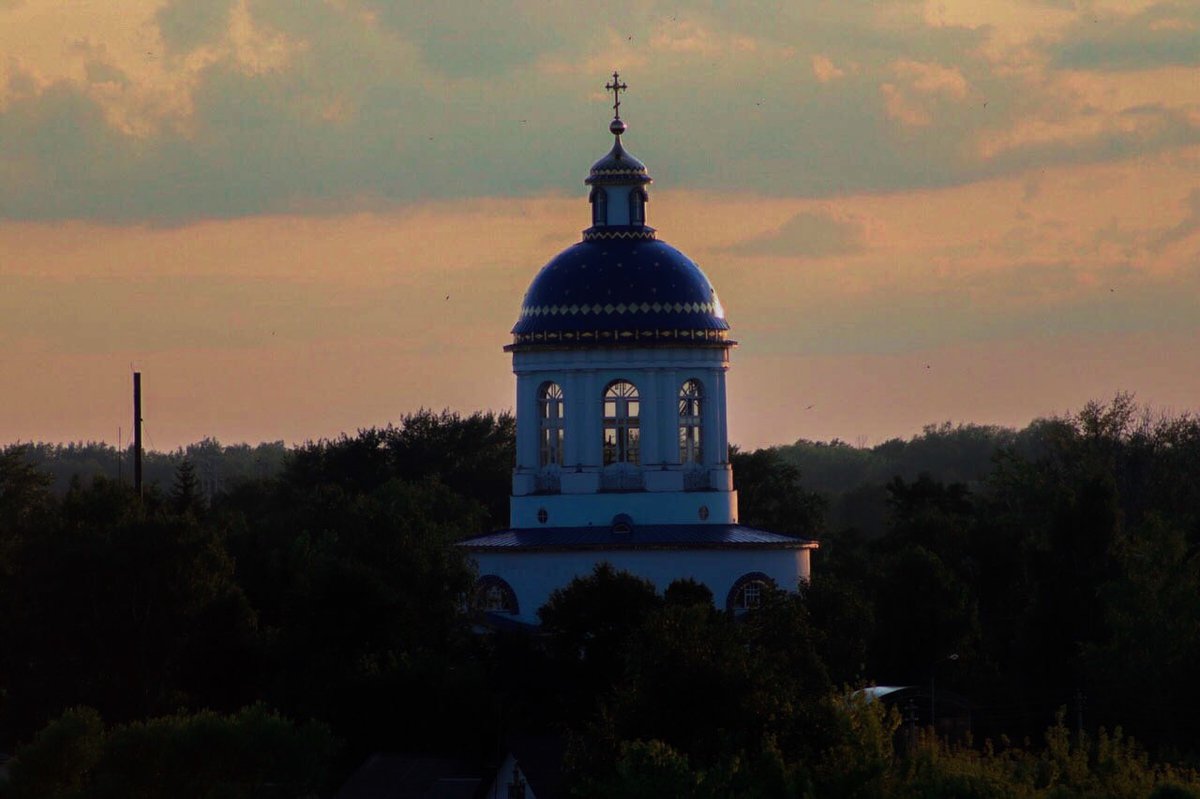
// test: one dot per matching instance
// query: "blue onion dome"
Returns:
(620, 291)
(620, 285)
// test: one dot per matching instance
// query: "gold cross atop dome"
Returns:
(616, 87)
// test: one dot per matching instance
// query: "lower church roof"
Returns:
(651, 536)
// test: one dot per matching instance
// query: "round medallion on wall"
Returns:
(543, 516)
(703, 513)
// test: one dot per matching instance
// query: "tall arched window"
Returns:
(550, 424)
(621, 434)
(748, 592)
(599, 200)
(691, 422)
(637, 207)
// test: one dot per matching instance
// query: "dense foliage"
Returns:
(331, 592)
(250, 754)
(307, 610)
(216, 466)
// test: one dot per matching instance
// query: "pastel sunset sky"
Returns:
(301, 217)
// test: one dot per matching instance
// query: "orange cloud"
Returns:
(298, 326)
(824, 69)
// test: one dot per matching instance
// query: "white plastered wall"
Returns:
(535, 575)
(658, 373)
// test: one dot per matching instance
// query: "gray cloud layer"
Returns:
(805, 235)
(1165, 34)
(384, 102)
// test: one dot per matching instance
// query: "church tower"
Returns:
(621, 352)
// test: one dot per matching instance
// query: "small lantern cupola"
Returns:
(618, 180)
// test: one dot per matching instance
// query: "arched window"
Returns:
(599, 201)
(637, 207)
(550, 424)
(748, 591)
(691, 422)
(493, 594)
(621, 407)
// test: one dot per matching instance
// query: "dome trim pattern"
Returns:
(607, 233)
(713, 308)
(573, 338)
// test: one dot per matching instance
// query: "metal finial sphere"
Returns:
(617, 127)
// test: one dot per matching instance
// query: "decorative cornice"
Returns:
(632, 546)
(618, 177)
(620, 171)
(652, 536)
(601, 234)
(653, 336)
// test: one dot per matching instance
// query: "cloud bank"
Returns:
(219, 109)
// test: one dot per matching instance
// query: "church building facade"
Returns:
(621, 352)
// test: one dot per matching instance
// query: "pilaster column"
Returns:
(576, 421)
(719, 452)
(527, 421)
(592, 417)
(669, 380)
(649, 413)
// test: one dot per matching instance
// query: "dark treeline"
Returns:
(262, 638)
(1059, 563)
(1063, 571)
(217, 466)
(329, 592)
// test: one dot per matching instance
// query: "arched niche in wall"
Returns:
(493, 594)
(747, 593)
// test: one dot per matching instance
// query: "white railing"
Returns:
(696, 480)
(622, 479)
(548, 482)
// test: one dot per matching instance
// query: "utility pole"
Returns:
(137, 433)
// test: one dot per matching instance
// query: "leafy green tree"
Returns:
(858, 756)
(588, 625)
(709, 684)
(687, 591)
(225, 466)
(931, 514)
(788, 678)
(359, 594)
(472, 455)
(645, 770)
(923, 613)
(843, 621)
(688, 681)
(120, 609)
(1144, 669)
(25, 507)
(185, 494)
(252, 753)
(770, 494)
(56, 764)
(654, 769)
(24, 495)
